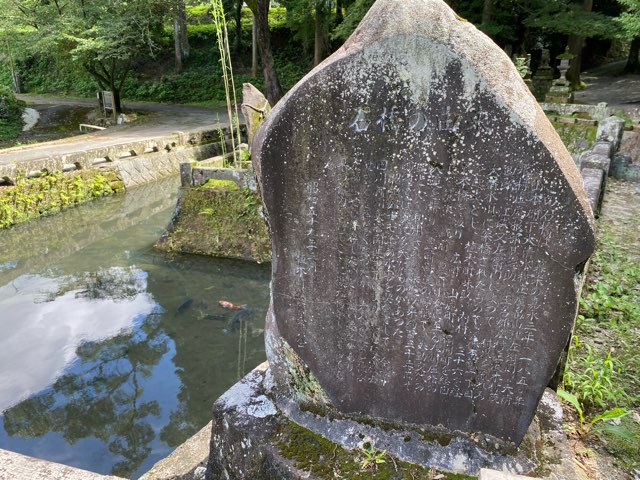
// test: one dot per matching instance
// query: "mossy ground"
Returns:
(323, 459)
(31, 198)
(222, 220)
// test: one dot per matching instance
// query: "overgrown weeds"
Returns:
(603, 371)
(34, 197)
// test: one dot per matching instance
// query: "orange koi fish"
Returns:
(225, 304)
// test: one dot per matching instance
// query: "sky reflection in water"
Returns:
(111, 354)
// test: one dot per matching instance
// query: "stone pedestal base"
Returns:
(253, 437)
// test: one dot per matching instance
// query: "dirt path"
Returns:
(162, 120)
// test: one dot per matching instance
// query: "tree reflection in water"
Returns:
(102, 394)
(149, 388)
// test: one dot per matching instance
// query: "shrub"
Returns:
(10, 115)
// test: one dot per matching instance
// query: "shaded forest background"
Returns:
(165, 50)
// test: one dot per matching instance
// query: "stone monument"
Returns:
(560, 91)
(543, 78)
(429, 231)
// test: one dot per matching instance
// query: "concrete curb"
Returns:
(14, 466)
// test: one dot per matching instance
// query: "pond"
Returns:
(112, 353)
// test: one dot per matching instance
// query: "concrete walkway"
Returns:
(163, 120)
(14, 466)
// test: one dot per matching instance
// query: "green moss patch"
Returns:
(222, 220)
(30, 198)
(577, 138)
(324, 459)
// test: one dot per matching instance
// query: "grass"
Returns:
(603, 371)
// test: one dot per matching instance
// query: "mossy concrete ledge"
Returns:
(219, 219)
(256, 436)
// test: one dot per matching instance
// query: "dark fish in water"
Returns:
(185, 306)
(238, 318)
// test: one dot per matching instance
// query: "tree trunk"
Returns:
(260, 9)
(576, 44)
(117, 104)
(237, 46)
(180, 36)
(339, 12)
(176, 44)
(319, 33)
(487, 12)
(254, 48)
(633, 64)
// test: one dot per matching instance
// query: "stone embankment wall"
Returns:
(136, 162)
(597, 164)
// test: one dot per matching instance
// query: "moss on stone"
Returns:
(324, 459)
(31, 198)
(222, 220)
(577, 138)
(221, 185)
(304, 384)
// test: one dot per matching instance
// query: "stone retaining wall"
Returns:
(596, 164)
(138, 162)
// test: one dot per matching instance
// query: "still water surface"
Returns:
(111, 353)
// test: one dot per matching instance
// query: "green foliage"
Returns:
(521, 66)
(573, 400)
(569, 18)
(198, 14)
(594, 379)
(601, 380)
(355, 12)
(103, 37)
(622, 441)
(34, 197)
(629, 20)
(371, 457)
(10, 115)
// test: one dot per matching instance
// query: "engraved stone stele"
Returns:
(429, 230)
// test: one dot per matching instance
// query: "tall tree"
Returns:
(319, 31)
(180, 34)
(238, 18)
(576, 44)
(104, 37)
(630, 24)
(260, 10)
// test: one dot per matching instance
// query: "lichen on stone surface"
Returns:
(303, 383)
(324, 459)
